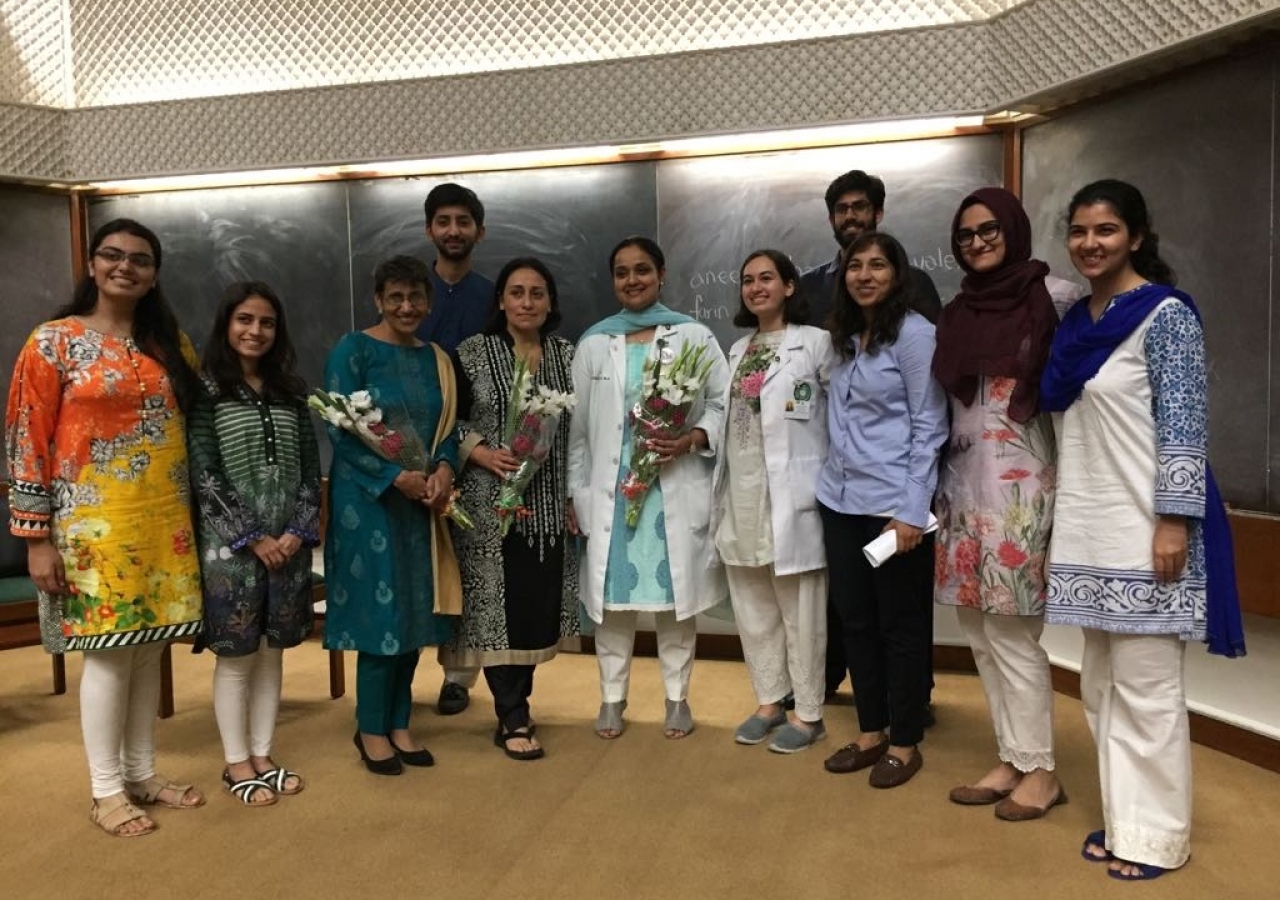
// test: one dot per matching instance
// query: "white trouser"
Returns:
(615, 641)
(1132, 688)
(1015, 676)
(119, 700)
(782, 622)
(246, 700)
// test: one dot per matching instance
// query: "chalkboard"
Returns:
(712, 212)
(1199, 146)
(568, 217)
(35, 256)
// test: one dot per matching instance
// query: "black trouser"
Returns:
(511, 687)
(886, 617)
(837, 667)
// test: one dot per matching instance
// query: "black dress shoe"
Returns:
(453, 699)
(389, 766)
(421, 757)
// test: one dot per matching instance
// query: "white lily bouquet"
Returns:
(357, 415)
(533, 415)
(667, 394)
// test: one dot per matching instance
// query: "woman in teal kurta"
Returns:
(378, 558)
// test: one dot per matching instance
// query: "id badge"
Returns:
(800, 406)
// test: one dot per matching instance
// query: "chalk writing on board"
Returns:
(939, 261)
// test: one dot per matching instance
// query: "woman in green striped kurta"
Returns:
(255, 471)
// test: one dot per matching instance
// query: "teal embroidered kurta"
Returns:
(378, 545)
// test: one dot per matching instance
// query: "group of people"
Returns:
(1028, 457)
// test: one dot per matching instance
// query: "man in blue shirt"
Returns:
(461, 300)
(855, 205)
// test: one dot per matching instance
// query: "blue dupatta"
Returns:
(629, 322)
(1080, 348)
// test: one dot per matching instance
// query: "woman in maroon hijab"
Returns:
(996, 489)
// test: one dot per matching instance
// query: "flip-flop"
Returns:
(1145, 872)
(1097, 839)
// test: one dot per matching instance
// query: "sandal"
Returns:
(1145, 871)
(1096, 839)
(114, 812)
(610, 719)
(147, 793)
(247, 789)
(500, 740)
(275, 779)
(679, 723)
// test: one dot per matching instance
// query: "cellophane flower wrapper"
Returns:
(357, 415)
(533, 415)
(667, 396)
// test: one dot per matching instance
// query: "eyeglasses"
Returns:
(416, 300)
(857, 206)
(112, 256)
(988, 231)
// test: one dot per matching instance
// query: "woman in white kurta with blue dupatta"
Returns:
(1140, 556)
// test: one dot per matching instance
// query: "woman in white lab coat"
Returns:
(765, 521)
(628, 569)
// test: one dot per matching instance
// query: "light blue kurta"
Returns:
(638, 576)
(377, 551)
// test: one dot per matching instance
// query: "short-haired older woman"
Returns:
(887, 418)
(660, 565)
(386, 550)
(520, 591)
(765, 516)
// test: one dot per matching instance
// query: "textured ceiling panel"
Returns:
(32, 143)
(620, 101)
(32, 60)
(137, 51)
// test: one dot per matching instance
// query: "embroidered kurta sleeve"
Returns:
(927, 406)
(344, 374)
(220, 507)
(1179, 404)
(305, 521)
(31, 418)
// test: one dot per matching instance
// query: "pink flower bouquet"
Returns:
(533, 415)
(667, 395)
(358, 416)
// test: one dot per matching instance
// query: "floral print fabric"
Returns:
(98, 457)
(995, 506)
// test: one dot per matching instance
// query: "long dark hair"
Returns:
(1128, 203)
(497, 323)
(795, 309)
(847, 321)
(155, 328)
(222, 363)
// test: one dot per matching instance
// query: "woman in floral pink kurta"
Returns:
(995, 492)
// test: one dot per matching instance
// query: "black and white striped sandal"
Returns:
(276, 778)
(245, 791)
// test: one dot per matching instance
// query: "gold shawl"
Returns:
(444, 563)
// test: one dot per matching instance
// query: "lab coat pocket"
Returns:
(802, 478)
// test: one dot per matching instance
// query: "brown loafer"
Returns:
(1011, 811)
(889, 771)
(850, 758)
(970, 795)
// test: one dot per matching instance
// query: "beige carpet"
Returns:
(638, 817)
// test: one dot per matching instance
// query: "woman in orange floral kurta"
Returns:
(97, 452)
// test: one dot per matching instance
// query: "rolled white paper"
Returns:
(886, 545)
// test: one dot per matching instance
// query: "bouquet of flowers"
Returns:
(357, 415)
(533, 414)
(666, 396)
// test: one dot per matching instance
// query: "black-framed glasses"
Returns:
(112, 256)
(859, 207)
(988, 231)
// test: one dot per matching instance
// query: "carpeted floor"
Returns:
(639, 817)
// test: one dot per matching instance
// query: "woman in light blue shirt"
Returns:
(887, 418)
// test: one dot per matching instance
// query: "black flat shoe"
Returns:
(500, 740)
(389, 766)
(421, 757)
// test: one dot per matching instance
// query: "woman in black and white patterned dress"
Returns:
(520, 592)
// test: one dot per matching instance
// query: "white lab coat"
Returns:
(595, 440)
(794, 449)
